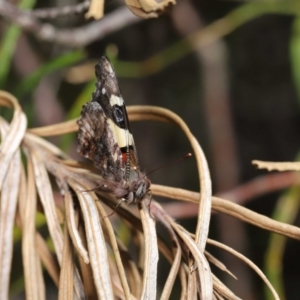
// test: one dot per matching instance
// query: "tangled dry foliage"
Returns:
(88, 258)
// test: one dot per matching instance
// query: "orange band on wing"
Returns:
(124, 157)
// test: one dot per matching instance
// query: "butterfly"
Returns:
(105, 137)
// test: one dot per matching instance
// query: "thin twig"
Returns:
(54, 12)
(78, 37)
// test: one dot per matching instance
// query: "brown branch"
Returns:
(54, 12)
(242, 194)
(260, 186)
(77, 37)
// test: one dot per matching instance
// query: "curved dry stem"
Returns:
(231, 209)
(248, 262)
(218, 264)
(12, 134)
(35, 287)
(8, 207)
(204, 212)
(151, 253)
(80, 187)
(95, 240)
(72, 219)
(277, 166)
(47, 259)
(55, 129)
(66, 278)
(115, 248)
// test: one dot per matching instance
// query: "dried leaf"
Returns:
(255, 219)
(231, 209)
(218, 264)
(185, 254)
(96, 9)
(66, 278)
(277, 166)
(11, 141)
(149, 8)
(201, 265)
(8, 206)
(72, 227)
(46, 196)
(115, 248)
(151, 253)
(204, 211)
(33, 274)
(248, 262)
(132, 271)
(166, 293)
(95, 240)
(223, 291)
(39, 157)
(48, 261)
(53, 130)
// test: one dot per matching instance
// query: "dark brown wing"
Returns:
(107, 136)
(97, 142)
(109, 96)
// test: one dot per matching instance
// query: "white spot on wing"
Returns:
(103, 91)
(115, 100)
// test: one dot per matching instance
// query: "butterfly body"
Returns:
(105, 137)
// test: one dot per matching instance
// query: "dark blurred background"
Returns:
(233, 81)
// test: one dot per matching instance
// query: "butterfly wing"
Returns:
(104, 130)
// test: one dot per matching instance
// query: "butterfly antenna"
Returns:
(188, 155)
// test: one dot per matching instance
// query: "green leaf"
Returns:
(57, 63)
(8, 44)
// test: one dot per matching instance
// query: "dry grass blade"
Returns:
(66, 279)
(183, 280)
(202, 267)
(95, 240)
(56, 129)
(222, 290)
(218, 264)
(168, 287)
(248, 262)
(204, 212)
(277, 166)
(151, 253)
(72, 228)
(192, 286)
(256, 219)
(133, 274)
(231, 209)
(33, 275)
(45, 145)
(89, 235)
(39, 157)
(115, 248)
(8, 206)
(46, 196)
(132, 271)
(49, 262)
(175, 260)
(11, 137)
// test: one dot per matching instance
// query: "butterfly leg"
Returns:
(115, 209)
(102, 187)
(149, 192)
